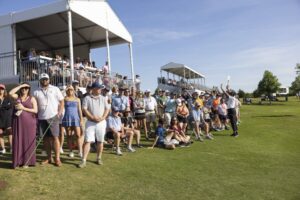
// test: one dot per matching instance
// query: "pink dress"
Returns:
(24, 134)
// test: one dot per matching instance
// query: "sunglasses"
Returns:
(26, 88)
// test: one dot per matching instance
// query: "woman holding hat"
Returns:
(24, 126)
(5, 117)
(72, 120)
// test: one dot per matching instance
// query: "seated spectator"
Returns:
(116, 132)
(179, 135)
(163, 138)
(129, 127)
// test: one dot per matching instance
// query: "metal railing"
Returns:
(60, 73)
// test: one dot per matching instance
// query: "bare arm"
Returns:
(154, 143)
(34, 108)
(225, 92)
(13, 92)
(61, 107)
(79, 110)
(89, 115)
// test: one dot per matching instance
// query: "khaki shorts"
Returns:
(150, 116)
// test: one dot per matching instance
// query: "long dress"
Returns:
(24, 134)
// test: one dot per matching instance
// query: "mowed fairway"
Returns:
(262, 163)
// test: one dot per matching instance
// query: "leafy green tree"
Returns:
(295, 85)
(297, 68)
(269, 84)
(241, 93)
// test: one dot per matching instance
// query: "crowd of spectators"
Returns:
(120, 117)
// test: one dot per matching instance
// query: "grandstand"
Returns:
(49, 38)
(176, 77)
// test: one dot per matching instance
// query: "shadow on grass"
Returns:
(273, 116)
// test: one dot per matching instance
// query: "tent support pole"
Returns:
(108, 51)
(131, 64)
(71, 44)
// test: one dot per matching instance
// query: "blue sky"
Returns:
(240, 38)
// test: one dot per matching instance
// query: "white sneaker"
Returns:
(80, 155)
(119, 152)
(71, 154)
(61, 150)
(3, 151)
(130, 149)
(200, 139)
(209, 137)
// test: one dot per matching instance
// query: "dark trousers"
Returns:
(233, 119)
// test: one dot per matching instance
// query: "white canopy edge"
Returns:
(105, 16)
(181, 70)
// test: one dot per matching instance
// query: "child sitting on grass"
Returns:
(162, 140)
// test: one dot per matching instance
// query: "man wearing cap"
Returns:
(96, 108)
(161, 102)
(77, 91)
(170, 109)
(151, 110)
(121, 102)
(137, 83)
(50, 108)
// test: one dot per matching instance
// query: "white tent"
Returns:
(181, 70)
(65, 26)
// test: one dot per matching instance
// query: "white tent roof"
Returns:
(181, 70)
(46, 27)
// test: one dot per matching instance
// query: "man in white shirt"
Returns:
(151, 110)
(231, 104)
(96, 108)
(50, 107)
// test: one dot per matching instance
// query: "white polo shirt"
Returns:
(150, 103)
(231, 102)
(48, 101)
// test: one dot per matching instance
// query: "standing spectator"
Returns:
(151, 110)
(24, 126)
(96, 108)
(137, 82)
(6, 106)
(77, 91)
(105, 68)
(161, 103)
(238, 105)
(170, 109)
(140, 113)
(72, 120)
(50, 108)
(231, 110)
(182, 113)
(222, 111)
(196, 105)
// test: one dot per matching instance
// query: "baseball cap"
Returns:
(75, 82)
(147, 91)
(97, 85)
(2, 86)
(178, 101)
(44, 76)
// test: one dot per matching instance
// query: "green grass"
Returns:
(263, 163)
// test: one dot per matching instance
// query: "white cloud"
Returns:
(154, 36)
